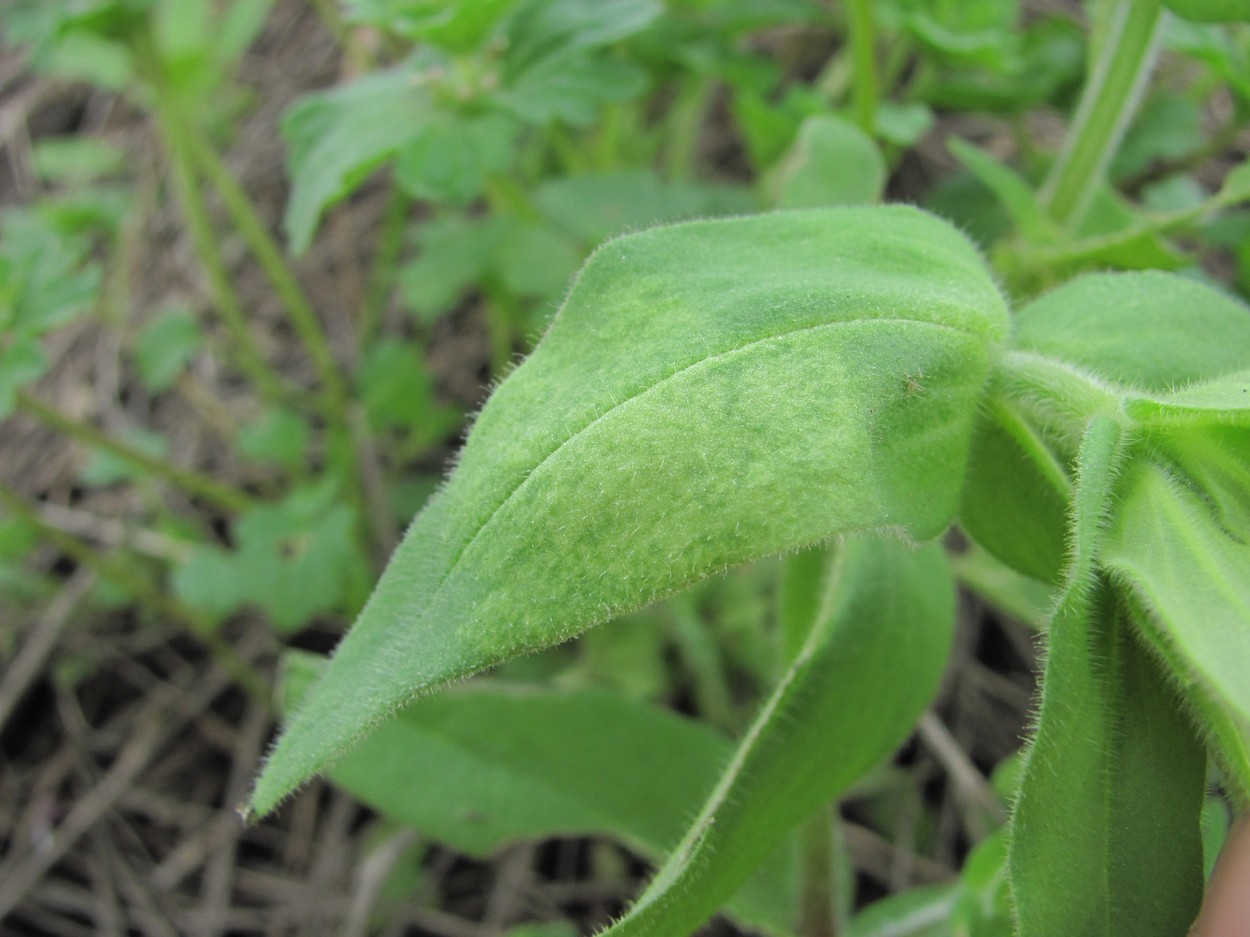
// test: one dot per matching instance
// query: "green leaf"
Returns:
(570, 86)
(1167, 128)
(336, 138)
(871, 663)
(1225, 400)
(593, 207)
(74, 160)
(1210, 11)
(1187, 579)
(105, 468)
(398, 392)
(1085, 859)
(279, 436)
(1120, 852)
(540, 28)
(1016, 494)
(166, 346)
(916, 912)
(832, 162)
(22, 362)
(448, 155)
(500, 763)
(1011, 189)
(295, 559)
(449, 24)
(709, 393)
(1148, 330)
(1236, 186)
(903, 124)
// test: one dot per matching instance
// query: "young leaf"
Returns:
(1188, 579)
(871, 663)
(1225, 400)
(1115, 769)
(832, 162)
(709, 393)
(1150, 330)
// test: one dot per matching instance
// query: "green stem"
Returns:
(271, 260)
(1107, 103)
(390, 241)
(822, 910)
(685, 123)
(120, 572)
(225, 299)
(223, 496)
(699, 652)
(1053, 393)
(863, 51)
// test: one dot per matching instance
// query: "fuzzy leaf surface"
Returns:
(1149, 330)
(709, 393)
(1188, 579)
(871, 663)
(1115, 769)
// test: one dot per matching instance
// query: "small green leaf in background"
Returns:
(903, 124)
(456, 27)
(456, 253)
(870, 665)
(280, 436)
(709, 393)
(448, 156)
(1167, 128)
(46, 277)
(832, 162)
(165, 346)
(21, 362)
(294, 560)
(105, 468)
(76, 160)
(398, 393)
(337, 138)
(1210, 11)
(1010, 188)
(593, 207)
(501, 763)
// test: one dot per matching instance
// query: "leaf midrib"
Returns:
(728, 353)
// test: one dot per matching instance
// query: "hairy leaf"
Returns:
(1188, 579)
(871, 663)
(1115, 769)
(1152, 331)
(709, 393)
(1225, 400)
